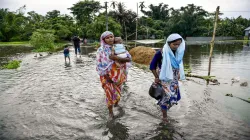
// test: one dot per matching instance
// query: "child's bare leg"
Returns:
(69, 58)
(164, 115)
(65, 59)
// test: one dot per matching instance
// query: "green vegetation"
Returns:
(59, 46)
(43, 40)
(14, 64)
(21, 43)
(187, 69)
(141, 66)
(88, 20)
(95, 44)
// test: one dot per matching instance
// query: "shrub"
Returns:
(43, 40)
(14, 64)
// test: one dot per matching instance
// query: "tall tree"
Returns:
(84, 12)
(113, 4)
(125, 18)
(188, 20)
(142, 5)
(12, 25)
(158, 12)
(97, 27)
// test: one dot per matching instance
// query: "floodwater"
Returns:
(48, 99)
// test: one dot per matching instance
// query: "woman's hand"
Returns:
(121, 60)
(175, 87)
(108, 78)
(113, 57)
(157, 80)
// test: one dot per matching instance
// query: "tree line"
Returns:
(89, 21)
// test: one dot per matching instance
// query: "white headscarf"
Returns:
(170, 60)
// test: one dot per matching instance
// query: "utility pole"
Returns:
(147, 32)
(125, 32)
(136, 24)
(106, 6)
(212, 41)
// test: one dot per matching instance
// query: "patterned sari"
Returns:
(113, 90)
(172, 95)
(105, 66)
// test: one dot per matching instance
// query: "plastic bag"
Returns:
(156, 91)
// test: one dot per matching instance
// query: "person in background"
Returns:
(85, 41)
(77, 41)
(66, 53)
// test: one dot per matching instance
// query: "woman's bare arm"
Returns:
(123, 60)
(155, 73)
(157, 80)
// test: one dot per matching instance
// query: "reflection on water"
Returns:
(231, 59)
(47, 98)
(115, 131)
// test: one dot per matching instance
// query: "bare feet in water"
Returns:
(116, 105)
(111, 116)
(165, 120)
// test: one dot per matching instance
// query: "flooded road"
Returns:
(48, 99)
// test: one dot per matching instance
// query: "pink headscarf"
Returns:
(103, 36)
(103, 63)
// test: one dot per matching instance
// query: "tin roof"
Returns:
(247, 28)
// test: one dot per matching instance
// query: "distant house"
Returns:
(247, 32)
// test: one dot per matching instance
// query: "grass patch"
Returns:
(14, 64)
(95, 44)
(141, 66)
(187, 69)
(26, 43)
(233, 40)
(57, 47)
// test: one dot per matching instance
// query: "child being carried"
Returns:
(119, 50)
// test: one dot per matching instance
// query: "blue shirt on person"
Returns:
(156, 61)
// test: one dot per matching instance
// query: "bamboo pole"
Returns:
(212, 41)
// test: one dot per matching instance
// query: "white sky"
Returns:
(230, 8)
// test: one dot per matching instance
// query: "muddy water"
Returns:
(11, 52)
(48, 99)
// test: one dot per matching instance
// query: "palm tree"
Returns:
(142, 5)
(123, 16)
(113, 4)
(158, 12)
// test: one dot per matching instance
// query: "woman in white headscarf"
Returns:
(167, 67)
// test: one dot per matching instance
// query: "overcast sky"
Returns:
(230, 8)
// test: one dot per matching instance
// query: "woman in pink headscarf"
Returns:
(111, 76)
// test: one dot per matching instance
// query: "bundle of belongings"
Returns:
(165, 98)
